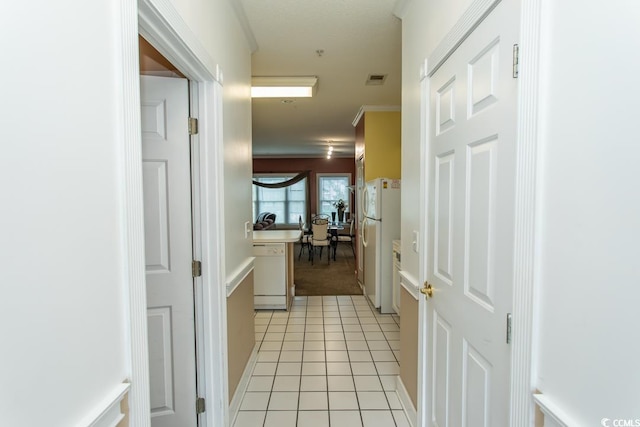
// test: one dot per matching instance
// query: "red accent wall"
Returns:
(315, 165)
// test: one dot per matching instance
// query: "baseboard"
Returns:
(405, 401)
(108, 413)
(234, 406)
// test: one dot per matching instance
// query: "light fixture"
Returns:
(329, 151)
(283, 87)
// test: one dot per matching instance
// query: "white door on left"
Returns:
(168, 250)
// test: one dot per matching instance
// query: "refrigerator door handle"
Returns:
(362, 232)
(365, 200)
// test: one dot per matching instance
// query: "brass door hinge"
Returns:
(196, 268)
(200, 406)
(193, 126)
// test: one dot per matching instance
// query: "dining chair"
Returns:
(305, 237)
(347, 238)
(320, 237)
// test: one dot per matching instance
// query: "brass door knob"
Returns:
(427, 290)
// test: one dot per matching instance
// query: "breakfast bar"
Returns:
(274, 287)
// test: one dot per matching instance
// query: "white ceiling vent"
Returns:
(376, 79)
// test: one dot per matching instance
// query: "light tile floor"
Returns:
(330, 361)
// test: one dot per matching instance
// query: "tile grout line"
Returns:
(360, 314)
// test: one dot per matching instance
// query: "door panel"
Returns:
(161, 358)
(476, 373)
(441, 370)
(168, 250)
(443, 219)
(479, 221)
(156, 224)
(471, 205)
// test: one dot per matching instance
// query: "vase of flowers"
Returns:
(340, 206)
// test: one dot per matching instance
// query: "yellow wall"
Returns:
(382, 144)
(241, 336)
(409, 344)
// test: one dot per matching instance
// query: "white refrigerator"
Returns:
(380, 227)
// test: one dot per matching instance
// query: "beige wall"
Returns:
(124, 407)
(240, 331)
(409, 344)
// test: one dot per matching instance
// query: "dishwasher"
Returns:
(270, 276)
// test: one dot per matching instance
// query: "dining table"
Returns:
(334, 228)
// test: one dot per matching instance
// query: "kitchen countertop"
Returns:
(276, 236)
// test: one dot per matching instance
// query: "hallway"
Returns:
(330, 361)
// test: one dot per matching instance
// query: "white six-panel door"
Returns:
(471, 223)
(168, 250)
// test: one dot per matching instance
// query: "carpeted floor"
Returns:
(336, 278)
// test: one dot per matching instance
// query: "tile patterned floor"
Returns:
(330, 361)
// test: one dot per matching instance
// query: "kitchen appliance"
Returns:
(270, 283)
(396, 275)
(380, 227)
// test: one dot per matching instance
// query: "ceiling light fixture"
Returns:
(283, 87)
(329, 150)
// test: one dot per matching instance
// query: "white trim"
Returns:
(553, 414)
(108, 413)
(423, 248)
(214, 259)
(410, 284)
(522, 407)
(244, 23)
(234, 407)
(164, 28)
(406, 402)
(239, 274)
(366, 108)
(196, 209)
(472, 17)
(133, 223)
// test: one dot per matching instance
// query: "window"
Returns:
(331, 188)
(288, 203)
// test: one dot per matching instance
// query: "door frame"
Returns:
(161, 25)
(524, 293)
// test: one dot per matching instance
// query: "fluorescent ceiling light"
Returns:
(283, 87)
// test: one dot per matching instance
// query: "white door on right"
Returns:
(471, 225)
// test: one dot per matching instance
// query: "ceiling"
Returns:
(357, 38)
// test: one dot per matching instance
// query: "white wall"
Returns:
(63, 309)
(589, 270)
(215, 23)
(62, 303)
